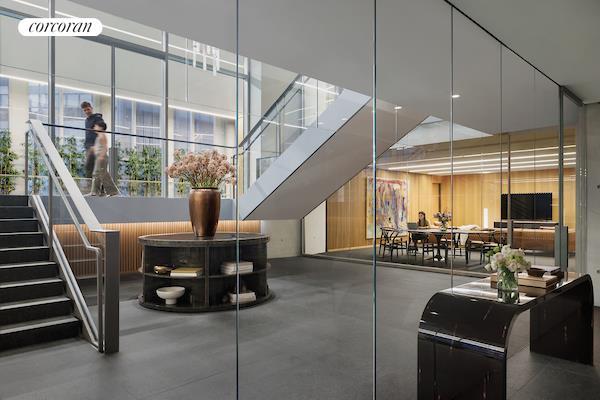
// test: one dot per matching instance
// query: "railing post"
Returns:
(26, 170)
(111, 291)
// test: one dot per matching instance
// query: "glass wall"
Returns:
(314, 339)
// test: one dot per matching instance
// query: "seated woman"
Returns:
(417, 237)
(422, 222)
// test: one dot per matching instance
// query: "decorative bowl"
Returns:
(170, 293)
(536, 272)
(162, 269)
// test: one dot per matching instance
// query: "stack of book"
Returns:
(187, 272)
(244, 297)
(229, 268)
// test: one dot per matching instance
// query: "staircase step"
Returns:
(26, 271)
(21, 239)
(14, 200)
(33, 309)
(18, 225)
(30, 289)
(15, 212)
(38, 331)
(24, 254)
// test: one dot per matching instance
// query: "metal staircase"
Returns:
(34, 306)
(40, 298)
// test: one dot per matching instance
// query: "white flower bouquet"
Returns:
(506, 258)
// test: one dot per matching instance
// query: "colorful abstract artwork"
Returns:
(391, 197)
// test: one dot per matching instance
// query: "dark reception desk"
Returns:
(464, 333)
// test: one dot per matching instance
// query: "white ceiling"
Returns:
(332, 41)
(559, 37)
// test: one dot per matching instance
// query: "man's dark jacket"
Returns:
(90, 135)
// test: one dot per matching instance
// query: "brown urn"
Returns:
(205, 206)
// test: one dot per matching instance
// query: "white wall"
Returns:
(592, 122)
(285, 237)
(315, 230)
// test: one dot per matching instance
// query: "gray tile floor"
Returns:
(312, 342)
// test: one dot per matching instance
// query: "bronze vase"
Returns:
(205, 206)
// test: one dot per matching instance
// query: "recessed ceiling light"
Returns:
(455, 96)
(398, 108)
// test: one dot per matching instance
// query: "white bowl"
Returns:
(170, 293)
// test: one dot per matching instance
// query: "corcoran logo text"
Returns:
(60, 27)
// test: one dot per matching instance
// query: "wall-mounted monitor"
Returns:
(527, 206)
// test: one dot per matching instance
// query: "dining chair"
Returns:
(399, 242)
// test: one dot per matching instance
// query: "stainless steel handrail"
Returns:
(57, 169)
(78, 298)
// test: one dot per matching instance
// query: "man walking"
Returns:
(90, 137)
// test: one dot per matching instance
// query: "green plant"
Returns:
(37, 169)
(133, 170)
(151, 169)
(181, 186)
(8, 172)
(73, 155)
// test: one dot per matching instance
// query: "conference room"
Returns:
(447, 196)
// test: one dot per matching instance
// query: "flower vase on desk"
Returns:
(508, 285)
(507, 263)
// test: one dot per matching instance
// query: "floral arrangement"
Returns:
(444, 218)
(506, 259)
(204, 170)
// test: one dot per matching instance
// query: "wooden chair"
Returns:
(482, 244)
(385, 240)
(427, 246)
(399, 242)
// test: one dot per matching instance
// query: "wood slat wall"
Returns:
(346, 209)
(83, 262)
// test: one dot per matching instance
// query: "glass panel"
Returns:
(139, 112)
(201, 104)
(478, 161)
(306, 136)
(413, 214)
(574, 205)
(545, 163)
(82, 75)
(518, 117)
(23, 93)
(113, 26)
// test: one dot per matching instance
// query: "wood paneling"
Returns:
(473, 193)
(83, 263)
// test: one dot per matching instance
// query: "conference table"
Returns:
(440, 233)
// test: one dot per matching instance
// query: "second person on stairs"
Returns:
(102, 183)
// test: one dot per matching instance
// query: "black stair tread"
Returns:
(17, 219)
(20, 233)
(22, 248)
(33, 302)
(27, 264)
(29, 282)
(36, 324)
(14, 206)
(14, 199)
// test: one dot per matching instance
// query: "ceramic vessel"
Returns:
(170, 293)
(205, 206)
